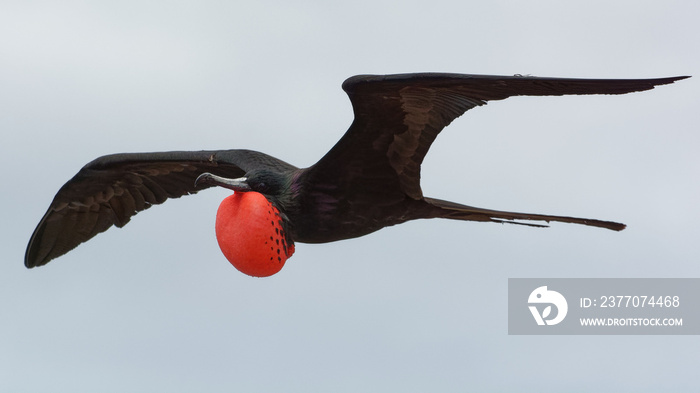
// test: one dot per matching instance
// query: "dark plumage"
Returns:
(369, 180)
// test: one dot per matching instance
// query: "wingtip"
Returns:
(31, 260)
(30, 263)
(28, 257)
(676, 78)
(32, 255)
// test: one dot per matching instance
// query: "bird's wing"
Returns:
(111, 189)
(397, 118)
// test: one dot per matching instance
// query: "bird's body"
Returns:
(369, 180)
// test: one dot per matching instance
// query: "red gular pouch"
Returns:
(249, 232)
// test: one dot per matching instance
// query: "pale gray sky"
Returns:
(418, 307)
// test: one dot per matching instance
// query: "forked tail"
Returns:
(456, 211)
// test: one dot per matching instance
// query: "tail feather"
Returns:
(457, 211)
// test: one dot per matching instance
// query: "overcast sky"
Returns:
(414, 308)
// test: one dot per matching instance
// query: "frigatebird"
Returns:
(369, 180)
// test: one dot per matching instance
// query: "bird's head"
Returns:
(264, 181)
(251, 230)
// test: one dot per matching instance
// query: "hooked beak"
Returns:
(238, 184)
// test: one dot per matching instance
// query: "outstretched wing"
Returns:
(111, 189)
(397, 118)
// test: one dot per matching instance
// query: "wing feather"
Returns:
(111, 189)
(397, 118)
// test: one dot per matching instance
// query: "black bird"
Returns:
(369, 180)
